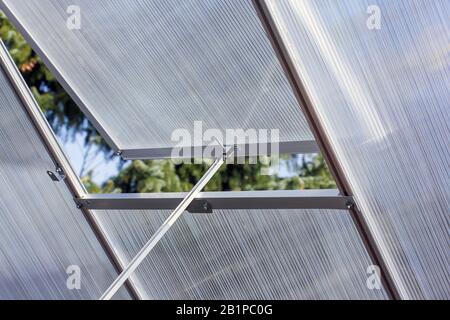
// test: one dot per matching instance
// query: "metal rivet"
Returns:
(349, 205)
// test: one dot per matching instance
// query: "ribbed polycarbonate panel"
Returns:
(238, 254)
(383, 97)
(42, 233)
(144, 68)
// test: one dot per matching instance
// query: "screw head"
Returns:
(349, 204)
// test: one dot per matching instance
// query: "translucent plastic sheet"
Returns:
(141, 69)
(378, 74)
(245, 254)
(45, 241)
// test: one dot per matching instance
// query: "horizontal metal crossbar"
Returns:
(292, 147)
(206, 202)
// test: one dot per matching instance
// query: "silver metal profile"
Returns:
(179, 210)
(57, 155)
(273, 199)
(292, 147)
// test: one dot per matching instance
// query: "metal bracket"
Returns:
(79, 204)
(58, 175)
(350, 204)
(198, 206)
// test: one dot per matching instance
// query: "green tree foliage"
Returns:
(144, 176)
(165, 176)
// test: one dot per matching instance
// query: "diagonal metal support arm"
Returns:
(126, 273)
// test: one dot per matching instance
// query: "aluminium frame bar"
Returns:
(325, 145)
(58, 157)
(289, 147)
(222, 200)
(157, 236)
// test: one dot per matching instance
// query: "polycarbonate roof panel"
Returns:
(141, 69)
(382, 91)
(245, 254)
(42, 233)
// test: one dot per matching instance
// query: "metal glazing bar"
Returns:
(292, 147)
(207, 201)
